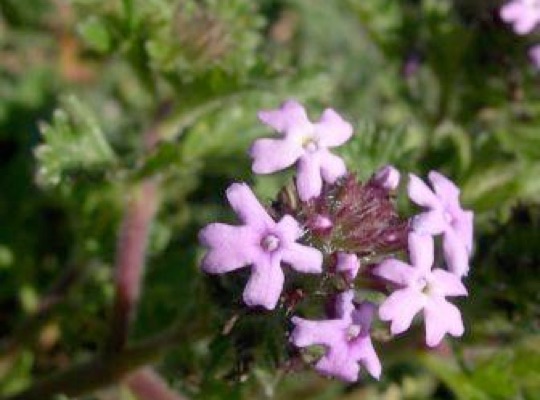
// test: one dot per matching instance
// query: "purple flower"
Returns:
(387, 177)
(534, 55)
(523, 14)
(445, 216)
(303, 143)
(348, 265)
(421, 288)
(346, 339)
(260, 243)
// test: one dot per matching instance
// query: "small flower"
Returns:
(261, 243)
(421, 288)
(445, 216)
(346, 339)
(304, 143)
(523, 14)
(534, 56)
(348, 265)
(386, 177)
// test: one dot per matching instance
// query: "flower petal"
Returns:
(421, 194)
(395, 271)
(308, 333)
(247, 207)
(430, 222)
(421, 251)
(447, 283)
(271, 155)
(337, 363)
(290, 116)
(463, 227)
(444, 187)
(309, 181)
(441, 317)
(526, 23)
(288, 229)
(400, 308)
(332, 130)
(265, 284)
(348, 264)
(363, 316)
(455, 253)
(332, 166)
(364, 352)
(512, 11)
(224, 253)
(303, 258)
(344, 305)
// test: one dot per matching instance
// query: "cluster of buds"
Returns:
(350, 235)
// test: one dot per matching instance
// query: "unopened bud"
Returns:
(386, 177)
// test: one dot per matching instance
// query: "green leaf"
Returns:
(19, 374)
(73, 141)
(373, 147)
(94, 32)
(453, 378)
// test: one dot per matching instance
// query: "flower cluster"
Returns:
(524, 15)
(346, 235)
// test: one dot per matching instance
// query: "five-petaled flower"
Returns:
(421, 288)
(261, 243)
(523, 14)
(445, 216)
(346, 339)
(304, 143)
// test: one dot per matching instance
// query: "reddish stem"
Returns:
(131, 249)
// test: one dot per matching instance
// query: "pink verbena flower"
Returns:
(303, 143)
(261, 243)
(421, 288)
(524, 15)
(445, 216)
(346, 339)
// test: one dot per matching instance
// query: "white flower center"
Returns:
(353, 331)
(422, 284)
(426, 286)
(270, 243)
(310, 144)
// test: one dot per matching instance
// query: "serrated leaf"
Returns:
(73, 140)
(373, 147)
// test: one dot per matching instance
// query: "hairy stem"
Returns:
(132, 244)
(130, 258)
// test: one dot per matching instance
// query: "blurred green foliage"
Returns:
(427, 84)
